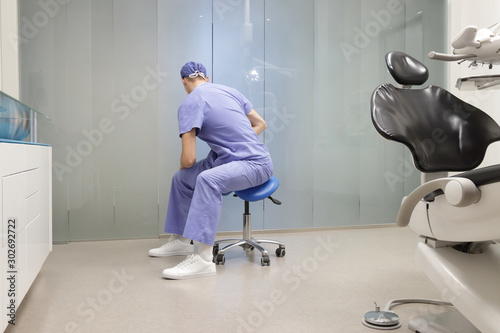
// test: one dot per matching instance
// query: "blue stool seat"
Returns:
(259, 192)
(249, 243)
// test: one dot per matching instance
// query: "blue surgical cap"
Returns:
(191, 68)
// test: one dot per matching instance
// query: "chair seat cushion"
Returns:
(259, 192)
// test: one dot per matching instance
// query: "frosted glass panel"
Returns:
(359, 178)
(238, 61)
(289, 105)
(178, 43)
(336, 116)
(93, 68)
(379, 193)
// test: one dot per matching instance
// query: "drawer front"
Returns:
(37, 246)
(33, 207)
(13, 202)
(33, 181)
(33, 155)
(12, 158)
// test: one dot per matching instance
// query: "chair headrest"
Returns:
(405, 69)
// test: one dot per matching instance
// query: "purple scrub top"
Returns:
(219, 115)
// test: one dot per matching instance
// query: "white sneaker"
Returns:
(192, 267)
(173, 247)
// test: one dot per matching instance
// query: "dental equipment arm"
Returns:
(449, 57)
(459, 192)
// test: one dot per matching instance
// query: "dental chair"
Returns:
(457, 217)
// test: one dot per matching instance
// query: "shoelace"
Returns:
(188, 261)
(171, 241)
(167, 244)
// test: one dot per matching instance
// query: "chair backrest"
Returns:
(442, 132)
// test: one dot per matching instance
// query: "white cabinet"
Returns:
(26, 216)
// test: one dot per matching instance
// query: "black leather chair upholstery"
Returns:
(442, 132)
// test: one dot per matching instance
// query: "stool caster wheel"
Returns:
(264, 261)
(280, 252)
(220, 259)
(215, 250)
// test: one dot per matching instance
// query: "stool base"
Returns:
(248, 243)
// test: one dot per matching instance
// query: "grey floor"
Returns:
(325, 283)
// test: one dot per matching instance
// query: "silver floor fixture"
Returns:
(381, 320)
(389, 320)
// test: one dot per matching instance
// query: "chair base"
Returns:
(248, 243)
(467, 280)
(444, 322)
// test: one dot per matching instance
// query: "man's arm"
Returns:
(188, 154)
(258, 124)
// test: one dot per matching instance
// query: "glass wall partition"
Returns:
(92, 66)
(107, 73)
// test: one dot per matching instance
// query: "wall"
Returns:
(107, 73)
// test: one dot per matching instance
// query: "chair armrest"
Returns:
(459, 192)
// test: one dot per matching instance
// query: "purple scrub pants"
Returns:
(195, 202)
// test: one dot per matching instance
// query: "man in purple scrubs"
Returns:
(223, 118)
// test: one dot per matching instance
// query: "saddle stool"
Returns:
(248, 243)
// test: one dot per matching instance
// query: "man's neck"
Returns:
(195, 84)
